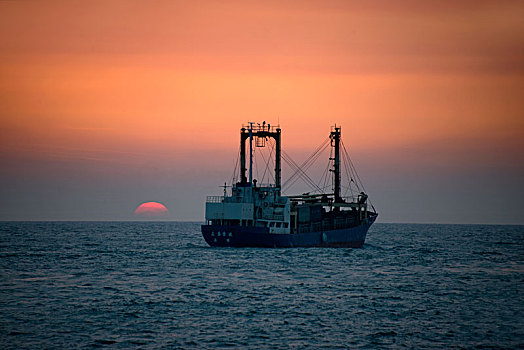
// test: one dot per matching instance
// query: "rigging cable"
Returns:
(267, 164)
(300, 170)
(349, 173)
(352, 166)
(297, 168)
(326, 173)
(233, 177)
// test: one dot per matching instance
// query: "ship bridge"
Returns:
(252, 204)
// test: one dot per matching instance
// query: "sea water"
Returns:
(158, 285)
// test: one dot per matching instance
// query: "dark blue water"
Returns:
(151, 285)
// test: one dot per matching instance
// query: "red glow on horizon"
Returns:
(151, 210)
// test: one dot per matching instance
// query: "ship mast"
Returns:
(259, 131)
(250, 152)
(277, 159)
(335, 141)
(243, 178)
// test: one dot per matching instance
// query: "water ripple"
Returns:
(154, 285)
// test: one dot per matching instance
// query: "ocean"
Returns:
(158, 285)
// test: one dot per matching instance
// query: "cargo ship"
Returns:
(259, 215)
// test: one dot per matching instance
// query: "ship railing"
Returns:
(328, 224)
(317, 198)
(268, 185)
(222, 199)
(350, 199)
(237, 200)
(273, 217)
(255, 127)
(214, 199)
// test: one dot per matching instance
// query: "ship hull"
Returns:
(248, 236)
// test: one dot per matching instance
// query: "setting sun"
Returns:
(151, 210)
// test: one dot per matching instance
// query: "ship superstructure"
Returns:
(256, 215)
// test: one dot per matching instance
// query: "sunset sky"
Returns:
(105, 105)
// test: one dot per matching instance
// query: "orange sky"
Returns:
(137, 84)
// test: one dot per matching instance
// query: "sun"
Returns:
(151, 210)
